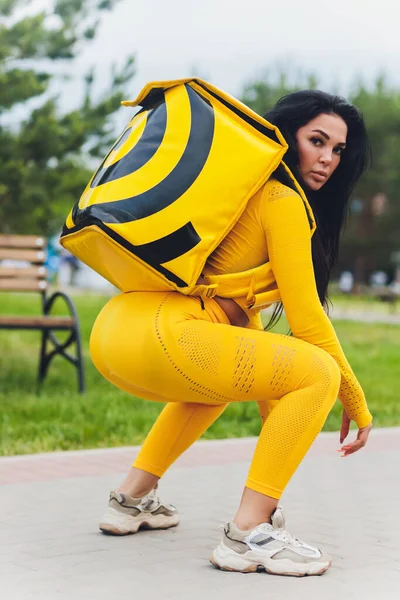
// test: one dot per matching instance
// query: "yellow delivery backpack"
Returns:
(172, 186)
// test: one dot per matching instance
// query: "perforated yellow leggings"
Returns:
(164, 347)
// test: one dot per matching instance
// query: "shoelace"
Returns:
(284, 534)
(151, 500)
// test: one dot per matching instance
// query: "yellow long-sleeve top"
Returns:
(274, 227)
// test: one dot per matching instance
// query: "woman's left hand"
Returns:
(362, 436)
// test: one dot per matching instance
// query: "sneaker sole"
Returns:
(228, 560)
(115, 523)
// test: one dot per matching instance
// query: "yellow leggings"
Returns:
(162, 346)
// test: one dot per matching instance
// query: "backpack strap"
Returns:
(257, 285)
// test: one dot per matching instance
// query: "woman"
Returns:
(200, 356)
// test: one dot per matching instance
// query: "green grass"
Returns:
(61, 419)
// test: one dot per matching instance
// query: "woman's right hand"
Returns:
(362, 436)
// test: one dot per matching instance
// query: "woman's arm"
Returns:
(289, 247)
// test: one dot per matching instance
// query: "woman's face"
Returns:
(320, 145)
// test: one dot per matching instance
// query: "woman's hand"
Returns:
(362, 436)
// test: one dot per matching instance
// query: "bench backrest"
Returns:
(22, 260)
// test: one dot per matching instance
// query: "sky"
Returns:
(231, 42)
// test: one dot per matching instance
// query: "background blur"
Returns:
(65, 65)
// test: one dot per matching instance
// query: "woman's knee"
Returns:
(327, 371)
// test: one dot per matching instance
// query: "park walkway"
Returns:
(364, 316)
(50, 548)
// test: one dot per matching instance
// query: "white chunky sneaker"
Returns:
(127, 515)
(269, 547)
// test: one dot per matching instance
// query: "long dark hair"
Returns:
(330, 203)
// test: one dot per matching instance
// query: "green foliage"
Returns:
(7, 6)
(261, 95)
(371, 237)
(23, 84)
(44, 161)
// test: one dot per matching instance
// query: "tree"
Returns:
(261, 95)
(373, 235)
(43, 162)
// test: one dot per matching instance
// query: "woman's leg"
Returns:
(161, 448)
(186, 355)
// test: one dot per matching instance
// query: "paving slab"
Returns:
(50, 504)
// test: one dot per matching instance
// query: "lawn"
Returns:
(61, 419)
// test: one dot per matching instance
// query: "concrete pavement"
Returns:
(50, 504)
(364, 316)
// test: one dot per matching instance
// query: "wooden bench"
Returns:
(22, 269)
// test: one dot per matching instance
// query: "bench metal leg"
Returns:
(43, 363)
(49, 336)
(60, 348)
